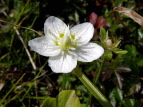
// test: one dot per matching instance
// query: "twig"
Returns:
(40, 75)
(28, 53)
(22, 27)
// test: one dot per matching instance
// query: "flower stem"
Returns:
(94, 90)
(99, 72)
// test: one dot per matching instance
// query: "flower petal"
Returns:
(83, 32)
(100, 22)
(89, 52)
(54, 26)
(44, 47)
(63, 63)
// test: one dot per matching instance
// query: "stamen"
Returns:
(72, 37)
(52, 34)
(61, 35)
(65, 40)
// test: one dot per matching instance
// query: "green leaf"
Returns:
(135, 88)
(132, 51)
(108, 55)
(140, 63)
(116, 94)
(49, 102)
(66, 98)
(119, 51)
(131, 103)
(103, 34)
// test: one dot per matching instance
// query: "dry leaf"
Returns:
(1, 86)
(130, 13)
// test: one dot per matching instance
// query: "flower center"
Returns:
(66, 42)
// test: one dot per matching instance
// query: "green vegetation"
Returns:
(26, 80)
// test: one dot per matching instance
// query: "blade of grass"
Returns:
(12, 89)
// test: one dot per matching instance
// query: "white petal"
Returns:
(44, 47)
(63, 63)
(83, 32)
(53, 26)
(89, 52)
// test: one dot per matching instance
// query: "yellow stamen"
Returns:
(72, 37)
(61, 35)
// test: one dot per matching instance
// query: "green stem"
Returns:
(94, 90)
(99, 72)
(64, 81)
(25, 93)
(96, 79)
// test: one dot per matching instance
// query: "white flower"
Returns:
(65, 46)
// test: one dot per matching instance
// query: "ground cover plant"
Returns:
(114, 78)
